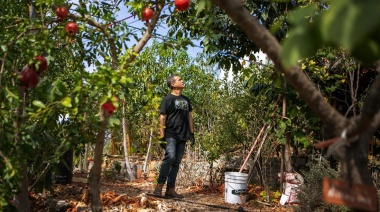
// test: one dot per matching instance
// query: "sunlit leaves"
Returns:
(304, 39)
(203, 5)
(113, 121)
(350, 24)
(39, 104)
(66, 102)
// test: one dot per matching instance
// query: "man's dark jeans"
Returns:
(170, 165)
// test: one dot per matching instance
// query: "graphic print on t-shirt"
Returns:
(181, 104)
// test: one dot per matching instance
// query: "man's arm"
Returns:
(162, 124)
(191, 123)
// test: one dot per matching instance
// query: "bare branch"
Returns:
(370, 112)
(2, 63)
(353, 87)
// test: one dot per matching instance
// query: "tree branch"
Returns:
(103, 28)
(260, 36)
(2, 66)
(370, 112)
(148, 34)
(87, 20)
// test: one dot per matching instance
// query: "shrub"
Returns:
(310, 195)
(117, 166)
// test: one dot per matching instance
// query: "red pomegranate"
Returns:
(182, 4)
(71, 28)
(29, 78)
(109, 105)
(61, 12)
(41, 64)
(147, 14)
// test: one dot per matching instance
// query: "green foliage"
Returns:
(223, 38)
(117, 166)
(299, 122)
(61, 112)
(351, 24)
(310, 195)
(109, 174)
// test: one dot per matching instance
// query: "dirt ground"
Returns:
(117, 195)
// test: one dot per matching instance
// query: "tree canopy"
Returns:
(325, 50)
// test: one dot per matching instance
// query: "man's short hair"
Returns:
(171, 80)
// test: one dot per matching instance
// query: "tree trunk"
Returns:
(113, 145)
(287, 158)
(125, 138)
(148, 151)
(21, 200)
(287, 151)
(80, 166)
(85, 157)
(96, 170)
(354, 161)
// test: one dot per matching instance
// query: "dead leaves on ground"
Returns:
(111, 198)
(79, 195)
(117, 194)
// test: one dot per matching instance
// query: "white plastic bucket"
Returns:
(235, 187)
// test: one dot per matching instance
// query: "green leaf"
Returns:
(66, 102)
(302, 14)
(4, 48)
(264, 16)
(303, 41)
(293, 112)
(11, 94)
(61, 88)
(348, 22)
(38, 104)
(113, 121)
(201, 6)
(368, 51)
(75, 111)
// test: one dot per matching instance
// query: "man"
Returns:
(177, 126)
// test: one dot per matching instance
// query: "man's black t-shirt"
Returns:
(177, 109)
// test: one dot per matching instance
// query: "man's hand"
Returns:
(192, 139)
(163, 142)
